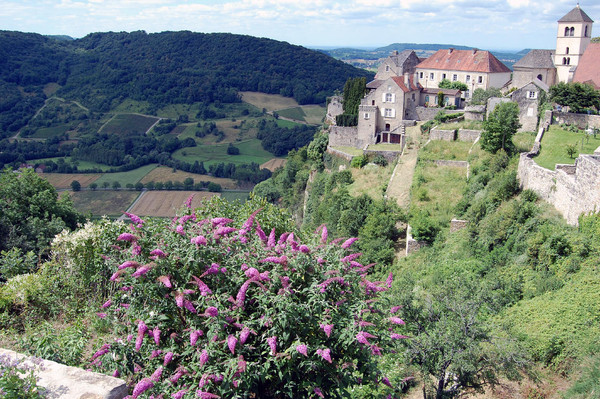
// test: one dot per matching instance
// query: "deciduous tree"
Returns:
(499, 128)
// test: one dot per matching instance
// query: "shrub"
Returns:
(359, 161)
(17, 379)
(238, 312)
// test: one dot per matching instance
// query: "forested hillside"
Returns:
(103, 69)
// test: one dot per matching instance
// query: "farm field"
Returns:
(235, 195)
(103, 202)
(293, 113)
(81, 165)
(274, 164)
(129, 124)
(63, 180)
(447, 150)
(271, 102)
(166, 203)
(49, 132)
(124, 178)
(314, 114)
(554, 146)
(250, 151)
(163, 174)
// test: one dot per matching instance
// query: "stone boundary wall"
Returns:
(462, 164)
(582, 121)
(427, 114)
(457, 225)
(340, 154)
(468, 135)
(67, 382)
(390, 156)
(343, 136)
(412, 245)
(445, 135)
(571, 189)
(334, 108)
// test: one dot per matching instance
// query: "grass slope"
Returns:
(554, 146)
(124, 178)
(103, 202)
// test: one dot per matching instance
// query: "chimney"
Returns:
(474, 51)
(406, 83)
(395, 52)
(450, 50)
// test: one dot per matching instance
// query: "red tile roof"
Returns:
(464, 60)
(411, 83)
(588, 68)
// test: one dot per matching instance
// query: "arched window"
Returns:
(564, 60)
(567, 31)
(539, 76)
(586, 32)
(567, 51)
(572, 32)
(569, 61)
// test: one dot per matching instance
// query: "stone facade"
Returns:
(334, 108)
(528, 97)
(493, 102)
(73, 383)
(475, 113)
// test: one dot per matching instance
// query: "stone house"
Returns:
(397, 64)
(527, 97)
(475, 68)
(535, 65)
(386, 105)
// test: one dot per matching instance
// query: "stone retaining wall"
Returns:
(468, 135)
(343, 136)
(341, 154)
(457, 224)
(390, 156)
(66, 382)
(462, 164)
(445, 135)
(427, 114)
(582, 121)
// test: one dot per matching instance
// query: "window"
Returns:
(454, 77)
(568, 60)
(431, 76)
(532, 95)
(567, 31)
(567, 51)
(586, 32)
(388, 97)
(467, 94)
(366, 115)
(420, 75)
(387, 68)
(572, 32)
(413, 96)
(389, 113)
(480, 80)
(468, 78)
(540, 76)
(564, 60)
(443, 76)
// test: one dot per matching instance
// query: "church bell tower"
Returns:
(574, 35)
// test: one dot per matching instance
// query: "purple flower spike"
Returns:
(127, 237)
(129, 263)
(206, 395)
(396, 320)
(166, 281)
(324, 235)
(179, 394)
(156, 335)
(203, 357)
(271, 240)
(325, 354)
(389, 280)
(395, 309)
(194, 336)
(231, 343)
(106, 304)
(272, 341)
(142, 387)
(168, 358)
(179, 230)
(346, 244)
(157, 374)
(319, 392)
(188, 202)
(158, 252)
(303, 349)
(398, 336)
(212, 311)
(141, 271)
(327, 328)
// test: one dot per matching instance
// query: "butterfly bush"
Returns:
(215, 308)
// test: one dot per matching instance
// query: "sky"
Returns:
(485, 24)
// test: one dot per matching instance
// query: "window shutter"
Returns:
(393, 112)
(383, 97)
(382, 111)
(393, 97)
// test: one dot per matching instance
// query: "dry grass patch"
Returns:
(103, 202)
(166, 203)
(273, 164)
(163, 174)
(370, 180)
(63, 180)
(271, 102)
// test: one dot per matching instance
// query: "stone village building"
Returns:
(404, 82)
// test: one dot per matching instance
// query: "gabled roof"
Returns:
(399, 80)
(588, 68)
(374, 84)
(536, 59)
(576, 15)
(400, 58)
(464, 60)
